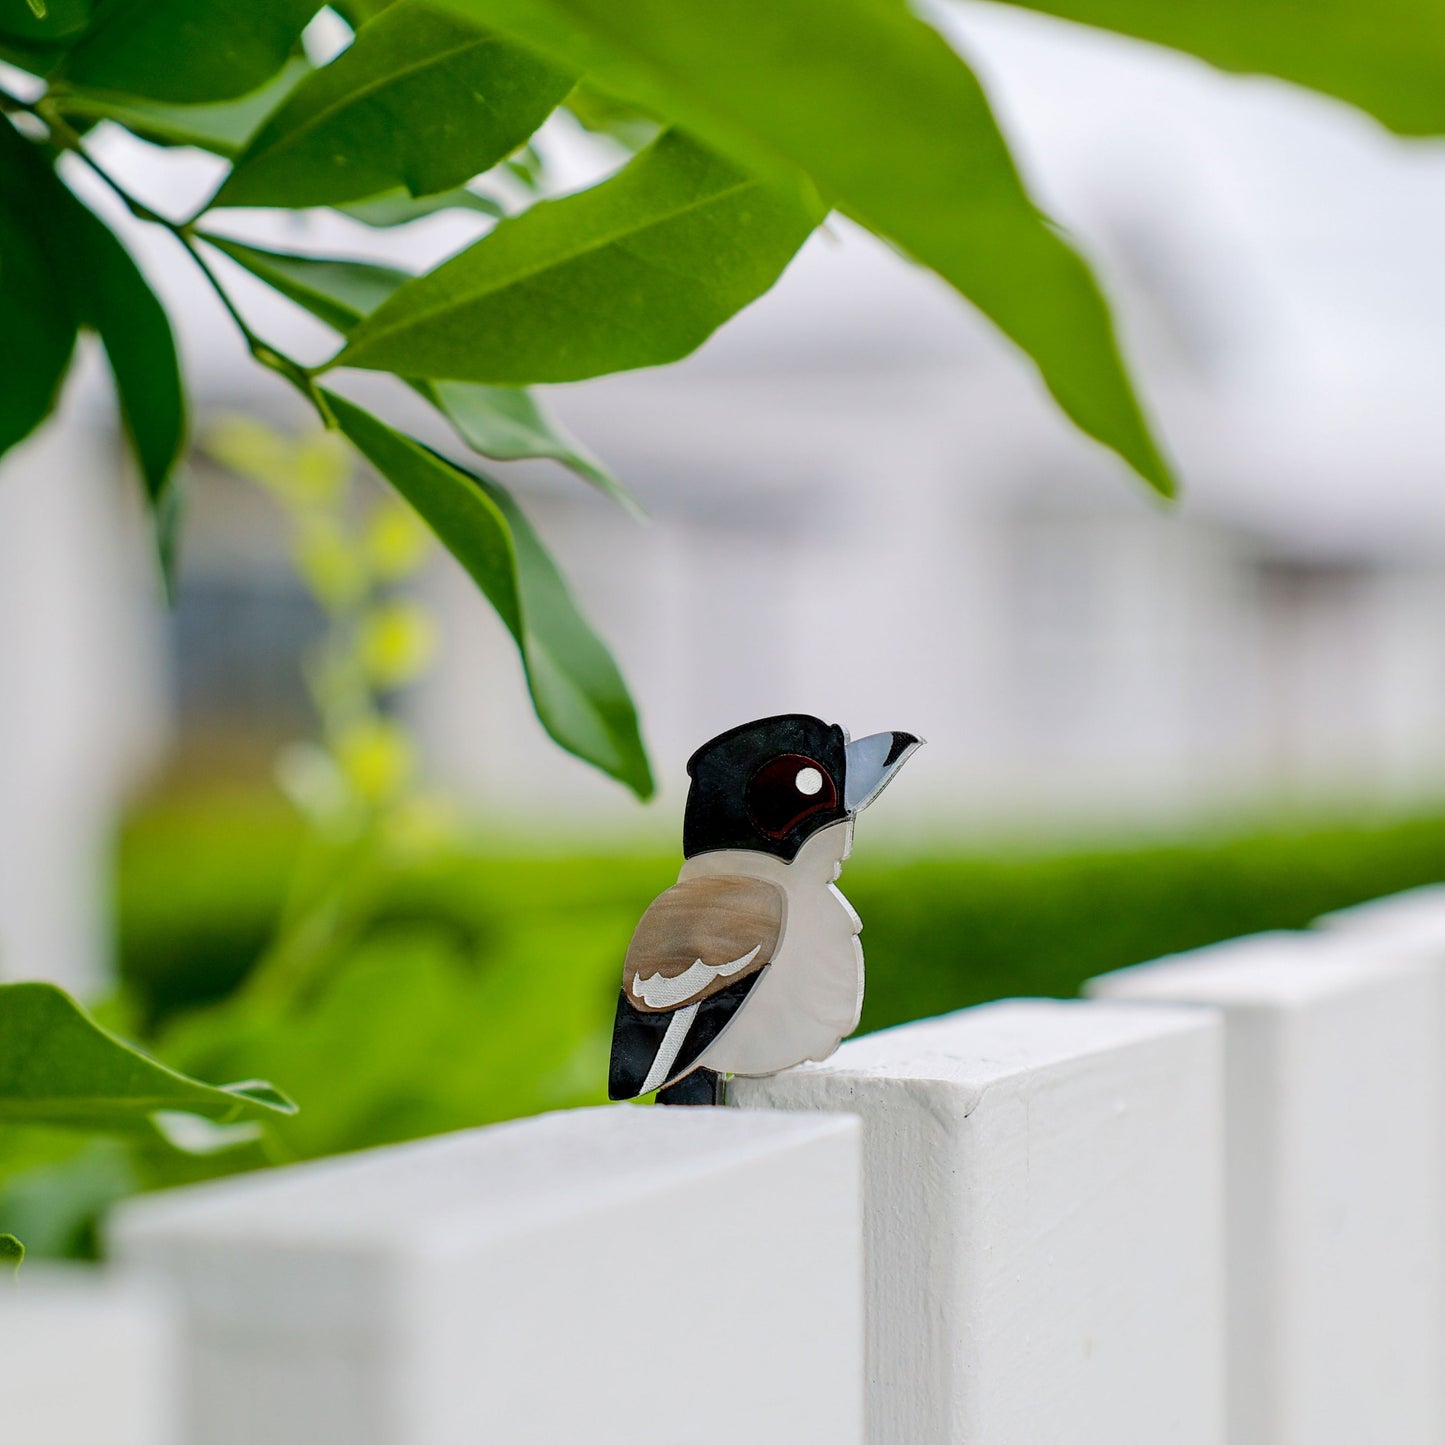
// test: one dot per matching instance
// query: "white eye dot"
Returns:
(809, 781)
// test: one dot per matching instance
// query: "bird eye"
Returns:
(786, 790)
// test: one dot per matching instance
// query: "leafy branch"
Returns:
(503, 423)
(739, 151)
(64, 138)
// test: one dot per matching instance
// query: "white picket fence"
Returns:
(1205, 1205)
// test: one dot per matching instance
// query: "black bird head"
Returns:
(770, 785)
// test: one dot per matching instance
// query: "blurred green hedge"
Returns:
(199, 888)
(461, 985)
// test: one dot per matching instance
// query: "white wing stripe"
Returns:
(659, 991)
(669, 1048)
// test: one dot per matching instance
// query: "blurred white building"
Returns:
(866, 507)
(863, 505)
(81, 712)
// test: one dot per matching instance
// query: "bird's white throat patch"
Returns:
(809, 996)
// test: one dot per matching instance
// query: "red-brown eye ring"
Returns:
(786, 790)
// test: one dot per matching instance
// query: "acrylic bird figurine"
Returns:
(751, 962)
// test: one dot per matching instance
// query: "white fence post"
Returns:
(622, 1276)
(1415, 916)
(1336, 1106)
(1044, 1222)
(85, 1358)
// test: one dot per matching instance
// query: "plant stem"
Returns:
(68, 139)
(64, 137)
(262, 351)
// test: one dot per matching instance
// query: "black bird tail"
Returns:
(637, 1036)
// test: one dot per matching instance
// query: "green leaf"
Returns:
(636, 271)
(37, 322)
(576, 688)
(187, 51)
(1385, 56)
(422, 99)
(58, 1066)
(504, 423)
(38, 60)
(52, 23)
(600, 113)
(357, 12)
(12, 1253)
(896, 132)
(53, 1198)
(223, 128)
(36, 37)
(112, 296)
(411, 1033)
(528, 167)
(106, 292)
(399, 208)
(340, 292)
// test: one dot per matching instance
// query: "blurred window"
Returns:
(239, 631)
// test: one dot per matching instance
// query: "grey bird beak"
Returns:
(871, 763)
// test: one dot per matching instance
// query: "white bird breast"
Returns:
(809, 998)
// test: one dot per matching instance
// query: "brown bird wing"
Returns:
(699, 938)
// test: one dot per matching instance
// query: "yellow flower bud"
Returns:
(398, 642)
(329, 561)
(378, 759)
(320, 469)
(307, 473)
(251, 449)
(397, 541)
